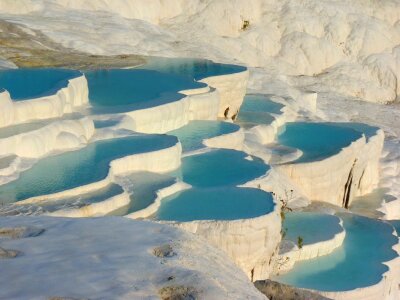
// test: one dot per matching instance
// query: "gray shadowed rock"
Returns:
(279, 291)
(66, 298)
(164, 251)
(20, 232)
(4, 253)
(177, 292)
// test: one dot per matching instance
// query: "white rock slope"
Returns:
(113, 257)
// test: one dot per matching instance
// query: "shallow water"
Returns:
(227, 203)
(260, 103)
(311, 227)
(20, 128)
(194, 68)
(317, 141)
(76, 168)
(249, 119)
(192, 135)
(142, 187)
(100, 195)
(25, 84)
(257, 109)
(221, 167)
(368, 205)
(358, 263)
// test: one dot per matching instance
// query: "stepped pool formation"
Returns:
(197, 69)
(80, 167)
(25, 84)
(258, 109)
(128, 89)
(311, 227)
(220, 168)
(194, 135)
(177, 142)
(359, 263)
(215, 204)
(317, 140)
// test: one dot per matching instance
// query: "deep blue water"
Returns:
(311, 227)
(105, 123)
(366, 129)
(192, 135)
(317, 141)
(118, 90)
(227, 203)
(358, 263)
(193, 68)
(396, 225)
(76, 168)
(220, 168)
(25, 84)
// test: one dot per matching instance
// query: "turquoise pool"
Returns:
(365, 129)
(228, 203)
(220, 168)
(249, 119)
(311, 227)
(192, 135)
(25, 84)
(76, 168)
(118, 90)
(257, 109)
(105, 123)
(358, 263)
(260, 103)
(143, 188)
(193, 68)
(317, 141)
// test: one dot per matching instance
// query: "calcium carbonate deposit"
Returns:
(184, 149)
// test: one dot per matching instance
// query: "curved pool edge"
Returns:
(98, 209)
(233, 140)
(357, 163)
(75, 94)
(231, 88)
(150, 210)
(310, 251)
(173, 115)
(386, 288)
(158, 161)
(56, 136)
(250, 243)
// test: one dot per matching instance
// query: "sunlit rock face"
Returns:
(301, 53)
(244, 222)
(359, 271)
(350, 153)
(351, 49)
(130, 259)
(186, 90)
(40, 139)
